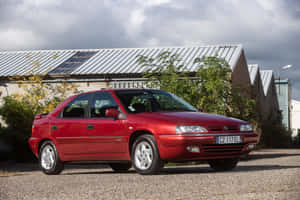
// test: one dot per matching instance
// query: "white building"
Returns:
(295, 115)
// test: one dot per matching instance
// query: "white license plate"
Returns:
(228, 139)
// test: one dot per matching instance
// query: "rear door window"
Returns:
(77, 108)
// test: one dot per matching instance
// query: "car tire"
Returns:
(120, 167)
(49, 160)
(145, 155)
(223, 164)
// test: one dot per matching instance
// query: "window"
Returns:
(130, 84)
(77, 108)
(101, 102)
(170, 102)
(138, 101)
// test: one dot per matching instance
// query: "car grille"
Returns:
(222, 128)
(222, 148)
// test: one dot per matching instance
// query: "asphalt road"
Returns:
(267, 174)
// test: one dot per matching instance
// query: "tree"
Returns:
(41, 96)
(19, 109)
(208, 88)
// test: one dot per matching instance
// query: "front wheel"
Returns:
(145, 155)
(48, 159)
(223, 164)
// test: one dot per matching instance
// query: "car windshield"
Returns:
(138, 101)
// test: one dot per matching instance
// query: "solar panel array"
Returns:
(73, 62)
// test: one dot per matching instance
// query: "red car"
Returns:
(140, 127)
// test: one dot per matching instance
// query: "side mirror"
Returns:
(112, 113)
(200, 110)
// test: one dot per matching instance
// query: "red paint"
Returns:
(108, 138)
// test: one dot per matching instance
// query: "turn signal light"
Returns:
(250, 146)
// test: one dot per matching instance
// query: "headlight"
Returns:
(246, 127)
(190, 129)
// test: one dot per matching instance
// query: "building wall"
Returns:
(270, 106)
(284, 99)
(12, 88)
(275, 105)
(258, 94)
(240, 75)
(9, 89)
(295, 117)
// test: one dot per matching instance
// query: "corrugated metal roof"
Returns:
(253, 71)
(20, 63)
(266, 78)
(110, 61)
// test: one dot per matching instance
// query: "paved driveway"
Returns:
(267, 174)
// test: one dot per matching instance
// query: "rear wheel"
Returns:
(48, 159)
(145, 155)
(120, 167)
(223, 164)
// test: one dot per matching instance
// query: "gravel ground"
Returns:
(266, 174)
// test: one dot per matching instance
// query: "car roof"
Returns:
(119, 89)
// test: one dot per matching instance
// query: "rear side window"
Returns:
(101, 102)
(77, 108)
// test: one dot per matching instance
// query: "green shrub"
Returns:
(18, 117)
(275, 135)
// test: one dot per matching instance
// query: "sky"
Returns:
(269, 30)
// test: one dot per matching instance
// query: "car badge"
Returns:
(226, 128)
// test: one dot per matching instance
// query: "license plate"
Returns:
(228, 139)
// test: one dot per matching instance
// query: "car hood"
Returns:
(193, 118)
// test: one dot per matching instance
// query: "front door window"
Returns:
(101, 102)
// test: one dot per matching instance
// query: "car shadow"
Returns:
(248, 168)
(19, 167)
(34, 166)
(182, 169)
(193, 170)
(251, 157)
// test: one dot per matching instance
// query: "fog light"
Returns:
(250, 146)
(193, 149)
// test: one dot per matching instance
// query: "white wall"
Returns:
(295, 116)
(13, 88)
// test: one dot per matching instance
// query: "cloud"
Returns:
(15, 37)
(268, 30)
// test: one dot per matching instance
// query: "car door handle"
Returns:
(90, 126)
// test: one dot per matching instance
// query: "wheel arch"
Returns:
(134, 135)
(41, 143)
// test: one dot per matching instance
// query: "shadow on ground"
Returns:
(11, 166)
(257, 156)
(194, 170)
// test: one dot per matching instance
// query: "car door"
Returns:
(69, 127)
(105, 134)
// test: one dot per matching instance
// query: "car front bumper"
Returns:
(182, 147)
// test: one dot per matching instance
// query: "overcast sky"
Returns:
(269, 30)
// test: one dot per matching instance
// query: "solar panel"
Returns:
(73, 62)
